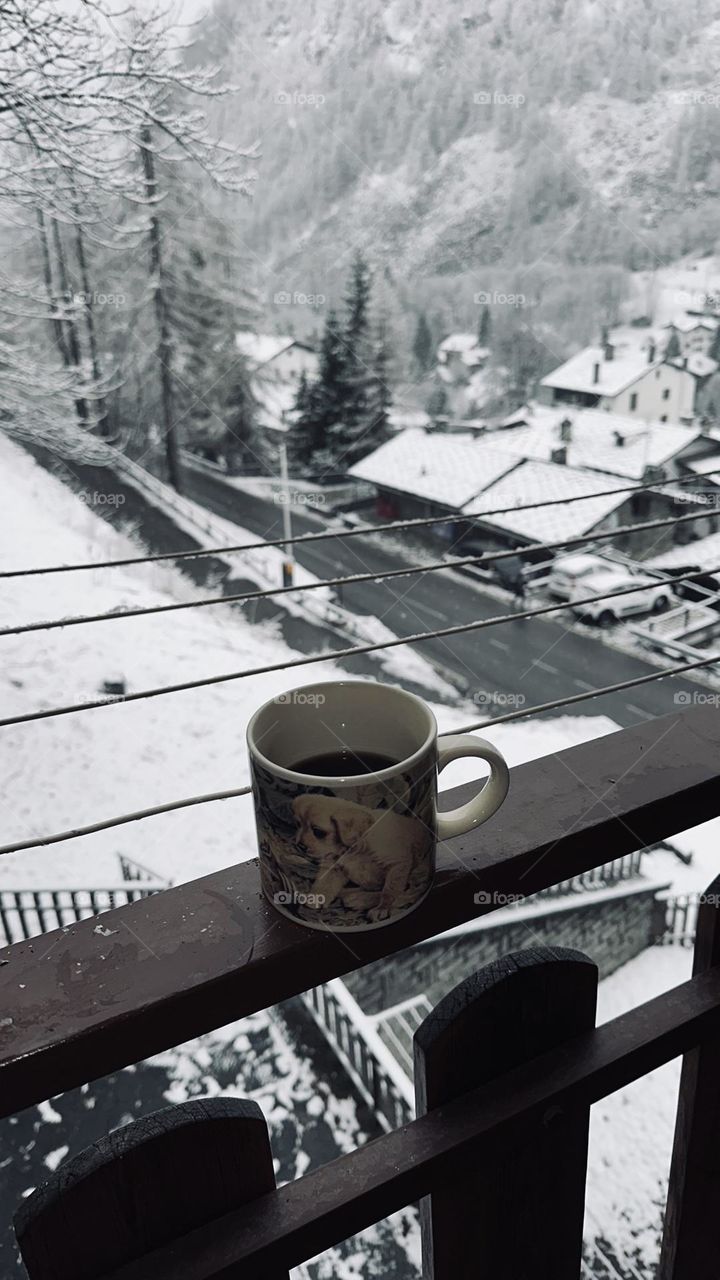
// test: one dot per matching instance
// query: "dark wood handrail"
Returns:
(80, 1002)
(285, 1227)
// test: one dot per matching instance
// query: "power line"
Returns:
(350, 580)
(301, 539)
(333, 655)
(73, 834)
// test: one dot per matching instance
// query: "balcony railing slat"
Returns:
(520, 1214)
(690, 1237)
(80, 1003)
(349, 1194)
(144, 1186)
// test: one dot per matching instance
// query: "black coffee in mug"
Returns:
(344, 763)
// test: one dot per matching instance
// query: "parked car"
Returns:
(648, 598)
(568, 572)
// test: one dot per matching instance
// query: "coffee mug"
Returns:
(344, 779)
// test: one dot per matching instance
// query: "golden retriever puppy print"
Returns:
(371, 861)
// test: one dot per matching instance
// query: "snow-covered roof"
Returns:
(704, 552)
(577, 374)
(686, 323)
(258, 348)
(448, 469)
(594, 439)
(698, 363)
(540, 481)
(704, 466)
(465, 345)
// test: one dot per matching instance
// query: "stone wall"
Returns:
(611, 926)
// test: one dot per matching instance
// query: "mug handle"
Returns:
(483, 805)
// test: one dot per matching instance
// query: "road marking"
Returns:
(498, 644)
(545, 666)
(639, 711)
(582, 684)
(425, 608)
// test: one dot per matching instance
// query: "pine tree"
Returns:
(325, 401)
(300, 439)
(484, 327)
(379, 398)
(423, 346)
(347, 441)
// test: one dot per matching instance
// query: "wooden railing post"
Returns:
(690, 1237)
(520, 1216)
(144, 1186)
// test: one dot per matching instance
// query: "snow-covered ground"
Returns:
(631, 1132)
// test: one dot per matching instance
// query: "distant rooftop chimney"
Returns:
(596, 372)
(619, 439)
(651, 353)
(566, 430)
(559, 454)
(609, 351)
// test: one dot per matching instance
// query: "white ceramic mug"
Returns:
(356, 851)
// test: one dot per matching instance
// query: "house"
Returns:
(281, 357)
(275, 364)
(418, 473)
(626, 377)
(459, 355)
(695, 333)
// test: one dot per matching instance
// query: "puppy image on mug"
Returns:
(366, 858)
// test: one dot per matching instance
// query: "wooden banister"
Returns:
(83, 1001)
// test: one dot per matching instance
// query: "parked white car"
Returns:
(649, 598)
(568, 572)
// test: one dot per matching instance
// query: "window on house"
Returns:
(663, 417)
(666, 393)
(633, 400)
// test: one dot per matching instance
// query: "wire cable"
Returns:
(300, 539)
(73, 834)
(335, 654)
(349, 580)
